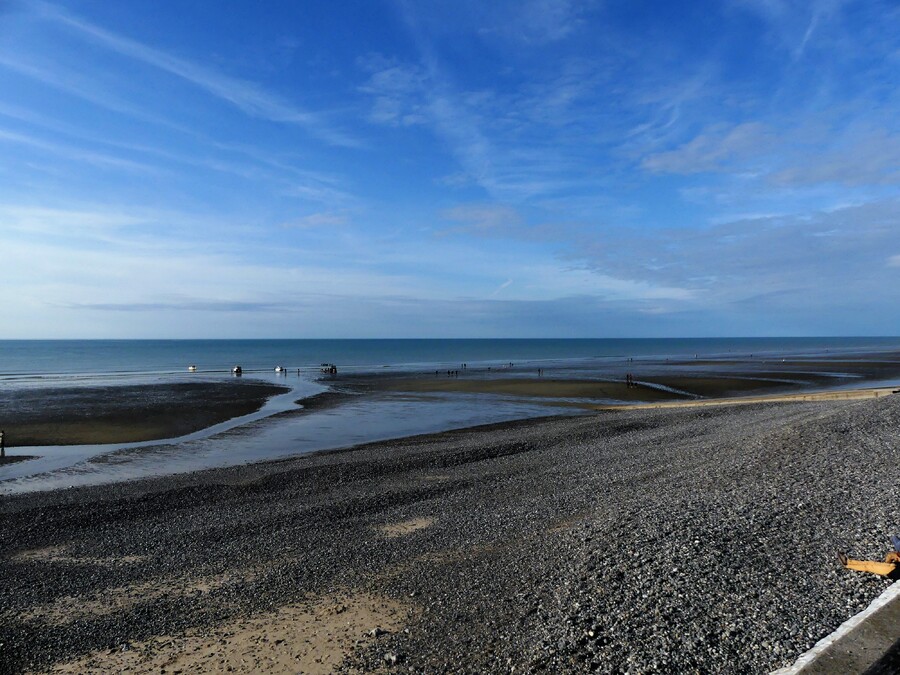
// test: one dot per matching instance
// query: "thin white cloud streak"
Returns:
(246, 96)
(453, 122)
(316, 185)
(505, 284)
(74, 84)
(84, 257)
(52, 274)
(312, 186)
(714, 149)
(76, 134)
(75, 154)
(317, 220)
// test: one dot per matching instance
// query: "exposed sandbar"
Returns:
(538, 387)
(665, 389)
(121, 414)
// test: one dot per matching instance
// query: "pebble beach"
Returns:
(663, 540)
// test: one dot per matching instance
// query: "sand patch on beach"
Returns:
(67, 609)
(437, 477)
(844, 394)
(405, 527)
(312, 637)
(566, 524)
(58, 554)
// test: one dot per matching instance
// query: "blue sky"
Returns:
(539, 168)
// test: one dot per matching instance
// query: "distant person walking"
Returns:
(2, 445)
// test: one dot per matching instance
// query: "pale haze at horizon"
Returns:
(449, 169)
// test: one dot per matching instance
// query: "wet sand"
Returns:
(112, 414)
(663, 382)
(12, 459)
(688, 539)
(537, 387)
(121, 414)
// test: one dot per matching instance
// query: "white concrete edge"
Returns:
(891, 592)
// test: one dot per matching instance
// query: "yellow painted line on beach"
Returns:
(845, 394)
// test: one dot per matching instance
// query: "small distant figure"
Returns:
(2, 444)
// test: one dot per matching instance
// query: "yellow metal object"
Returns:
(889, 568)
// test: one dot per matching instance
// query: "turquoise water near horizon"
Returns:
(35, 358)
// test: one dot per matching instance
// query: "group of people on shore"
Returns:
(629, 380)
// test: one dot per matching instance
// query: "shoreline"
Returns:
(593, 543)
(91, 415)
(849, 394)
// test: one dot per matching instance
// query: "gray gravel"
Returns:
(691, 540)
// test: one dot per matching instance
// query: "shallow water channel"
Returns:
(263, 435)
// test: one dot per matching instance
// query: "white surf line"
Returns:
(892, 593)
(671, 390)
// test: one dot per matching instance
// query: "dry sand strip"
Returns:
(842, 395)
(311, 638)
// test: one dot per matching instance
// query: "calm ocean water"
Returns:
(23, 359)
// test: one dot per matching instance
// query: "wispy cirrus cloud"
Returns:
(398, 91)
(535, 22)
(482, 219)
(74, 153)
(74, 83)
(246, 96)
(717, 148)
(325, 219)
(183, 305)
(793, 23)
(817, 259)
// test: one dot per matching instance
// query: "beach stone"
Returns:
(662, 532)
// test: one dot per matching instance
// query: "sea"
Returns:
(264, 435)
(67, 359)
